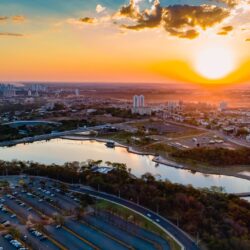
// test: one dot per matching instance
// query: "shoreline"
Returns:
(156, 158)
(159, 159)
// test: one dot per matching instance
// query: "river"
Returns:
(60, 151)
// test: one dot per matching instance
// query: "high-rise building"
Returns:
(141, 101)
(139, 106)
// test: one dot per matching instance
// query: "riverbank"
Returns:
(234, 171)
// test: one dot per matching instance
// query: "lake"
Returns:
(60, 151)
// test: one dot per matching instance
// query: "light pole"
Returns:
(197, 239)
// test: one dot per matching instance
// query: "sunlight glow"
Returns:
(215, 62)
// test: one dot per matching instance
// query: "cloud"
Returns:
(11, 34)
(230, 3)
(177, 20)
(18, 19)
(131, 10)
(225, 30)
(87, 20)
(183, 21)
(3, 18)
(99, 8)
(15, 19)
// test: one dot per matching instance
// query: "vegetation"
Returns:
(215, 156)
(8, 133)
(222, 221)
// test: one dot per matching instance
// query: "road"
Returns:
(176, 232)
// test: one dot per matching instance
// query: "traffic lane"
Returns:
(94, 236)
(67, 239)
(177, 233)
(128, 238)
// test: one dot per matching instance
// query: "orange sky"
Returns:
(62, 48)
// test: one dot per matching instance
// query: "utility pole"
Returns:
(197, 239)
(119, 193)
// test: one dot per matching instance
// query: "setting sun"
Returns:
(215, 62)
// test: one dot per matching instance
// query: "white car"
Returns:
(149, 215)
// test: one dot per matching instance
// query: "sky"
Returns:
(140, 41)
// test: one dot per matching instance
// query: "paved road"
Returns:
(181, 236)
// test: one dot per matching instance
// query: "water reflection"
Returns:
(60, 151)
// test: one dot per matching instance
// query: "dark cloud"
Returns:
(225, 30)
(183, 21)
(204, 16)
(10, 34)
(179, 20)
(130, 10)
(148, 18)
(189, 34)
(87, 20)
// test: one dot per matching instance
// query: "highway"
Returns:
(170, 228)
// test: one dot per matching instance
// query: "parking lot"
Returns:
(39, 215)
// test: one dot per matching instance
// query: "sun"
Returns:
(215, 62)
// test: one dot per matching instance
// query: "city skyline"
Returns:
(197, 42)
